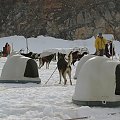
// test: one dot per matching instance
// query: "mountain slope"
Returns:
(65, 19)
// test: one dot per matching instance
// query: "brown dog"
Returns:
(64, 67)
(46, 59)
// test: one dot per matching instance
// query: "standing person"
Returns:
(112, 50)
(100, 43)
(7, 48)
(107, 53)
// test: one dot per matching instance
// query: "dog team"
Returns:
(64, 64)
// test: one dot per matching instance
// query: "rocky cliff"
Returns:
(67, 19)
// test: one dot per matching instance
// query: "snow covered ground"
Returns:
(51, 101)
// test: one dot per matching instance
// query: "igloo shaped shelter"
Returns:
(20, 69)
(98, 83)
(80, 64)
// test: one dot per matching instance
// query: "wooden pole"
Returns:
(12, 47)
(112, 48)
(27, 45)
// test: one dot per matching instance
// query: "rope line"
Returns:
(50, 76)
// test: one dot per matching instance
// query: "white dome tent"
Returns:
(20, 69)
(80, 64)
(98, 83)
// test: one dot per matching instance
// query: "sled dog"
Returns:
(64, 67)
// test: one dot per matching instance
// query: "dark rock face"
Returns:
(67, 19)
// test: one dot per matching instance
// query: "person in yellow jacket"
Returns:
(100, 43)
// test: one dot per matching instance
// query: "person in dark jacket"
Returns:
(6, 50)
(112, 49)
(107, 52)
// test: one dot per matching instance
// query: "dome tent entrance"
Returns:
(97, 83)
(20, 69)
